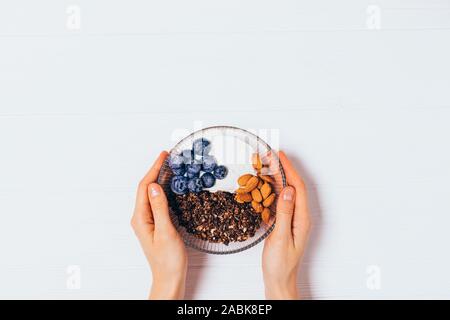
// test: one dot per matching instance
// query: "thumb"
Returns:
(285, 211)
(160, 208)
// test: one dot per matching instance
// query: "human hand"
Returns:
(161, 243)
(285, 246)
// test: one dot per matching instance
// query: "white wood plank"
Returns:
(210, 72)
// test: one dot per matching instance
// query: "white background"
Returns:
(360, 91)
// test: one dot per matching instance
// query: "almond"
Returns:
(256, 195)
(256, 161)
(260, 184)
(267, 179)
(241, 191)
(269, 200)
(265, 215)
(242, 181)
(246, 197)
(266, 190)
(238, 198)
(257, 206)
(251, 184)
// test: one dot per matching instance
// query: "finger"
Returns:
(301, 221)
(285, 212)
(160, 207)
(151, 176)
(272, 169)
(271, 164)
(142, 216)
(292, 177)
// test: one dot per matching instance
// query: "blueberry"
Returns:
(179, 184)
(201, 146)
(192, 175)
(179, 171)
(208, 163)
(188, 155)
(220, 172)
(176, 161)
(208, 180)
(195, 185)
(193, 168)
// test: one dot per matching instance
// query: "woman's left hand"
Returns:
(160, 241)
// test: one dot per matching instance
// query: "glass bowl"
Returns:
(232, 147)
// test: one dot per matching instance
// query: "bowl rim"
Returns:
(283, 177)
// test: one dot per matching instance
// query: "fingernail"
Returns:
(288, 194)
(154, 191)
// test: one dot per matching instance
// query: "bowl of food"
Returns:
(222, 184)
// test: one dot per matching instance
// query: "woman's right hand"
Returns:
(285, 246)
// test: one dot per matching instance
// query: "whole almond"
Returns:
(257, 206)
(260, 184)
(246, 197)
(252, 183)
(241, 191)
(266, 190)
(256, 161)
(269, 200)
(267, 179)
(265, 215)
(242, 181)
(238, 198)
(256, 195)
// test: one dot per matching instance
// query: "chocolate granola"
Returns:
(215, 217)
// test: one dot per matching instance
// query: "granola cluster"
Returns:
(216, 216)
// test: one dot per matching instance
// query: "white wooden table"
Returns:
(91, 91)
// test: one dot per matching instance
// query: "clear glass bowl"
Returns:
(233, 148)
